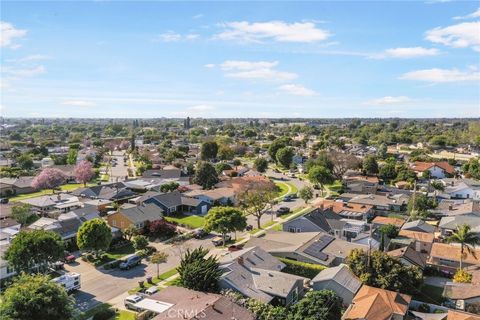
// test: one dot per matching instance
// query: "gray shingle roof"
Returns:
(341, 275)
(141, 213)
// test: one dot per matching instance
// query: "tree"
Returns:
(199, 272)
(25, 162)
(320, 176)
(36, 297)
(467, 239)
(384, 271)
(84, 172)
(284, 156)
(260, 164)
(94, 235)
(72, 156)
(462, 276)
(221, 166)
(338, 163)
(158, 258)
(169, 187)
(256, 199)
(130, 232)
(224, 220)
(21, 213)
(161, 228)
(317, 305)
(205, 175)
(420, 203)
(370, 165)
(49, 178)
(306, 193)
(34, 250)
(225, 153)
(388, 171)
(209, 150)
(140, 242)
(390, 230)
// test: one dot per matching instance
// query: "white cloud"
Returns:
(79, 103)
(297, 90)
(408, 52)
(387, 100)
(473, 15)
(195, 111)
(281, 31)
(172, 36)
(437, 75)
(33, 57)
(260, 70)
(462, 35)
(24, 72)
(8, 33)
(209, 65)
(198, 16)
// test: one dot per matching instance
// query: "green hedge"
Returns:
(303, 269)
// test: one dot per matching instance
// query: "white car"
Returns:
(130, 302)
(151, 290)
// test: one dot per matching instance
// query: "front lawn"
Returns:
(192, 221)
(283, 188)
(65, 187)
(125, 315)
(155, 280)
(119, 253)
(430, 294)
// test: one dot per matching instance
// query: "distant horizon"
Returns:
(248, 118)
(319, 59)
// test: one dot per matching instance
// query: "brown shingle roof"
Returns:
(388, 220)
(458, 315)
(452, 252)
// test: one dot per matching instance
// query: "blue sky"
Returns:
(233, 59)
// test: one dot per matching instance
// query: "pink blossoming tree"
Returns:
(49, 178)
(84, 172)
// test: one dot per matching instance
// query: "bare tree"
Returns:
(343, 162)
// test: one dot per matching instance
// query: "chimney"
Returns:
(240, 261)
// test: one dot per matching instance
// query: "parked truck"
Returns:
(70, 281)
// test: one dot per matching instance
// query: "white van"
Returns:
(131, 301)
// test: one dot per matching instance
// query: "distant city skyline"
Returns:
(410, 59)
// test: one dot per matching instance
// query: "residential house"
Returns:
(382, 204)
(173, 202)
(256, 274)
(418, 226)
(448, 225)
(112, 192)
(380, 221)
(361, 184)
(421, 241)
(311, 247)
(66, 226)
(461, 188)
(223, 196)
(340, 280)
(446, 257)
(185, 304)
(102, 205)
(460, 315)
(439, 169)
(448, 207)
(137, 216)
(462, 295)
(348, 210)
(67, 169)
(409, 256)
(377, 304)
(13, 186)
(62, 202)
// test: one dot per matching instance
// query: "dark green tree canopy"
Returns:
(94, 235)
(225, 220)
(317, 305)
(205, 175)
(209, 150)
(35, 297)
(33, 250)
(284, 156)
(370, 165)
(260, 164)
(197, 272)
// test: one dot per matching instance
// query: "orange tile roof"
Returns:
(419, 236)
(388, 220)
(423, 166)
(377, 304)
(458, 315)
(338, 206)
(452, 252)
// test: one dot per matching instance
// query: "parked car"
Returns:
(235, 248)
(283, 210)
(218, 241)
(151, 290)
(3, 200)
(200, 233)
(130, 262)
(130, 302)
(287, 198)
(69, 258)
(249, 227)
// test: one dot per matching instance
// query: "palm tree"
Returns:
(467, 239)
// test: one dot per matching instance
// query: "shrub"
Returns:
(425, 308)
(462, 276)
(104, 314)
(302, 269)
(161, 228)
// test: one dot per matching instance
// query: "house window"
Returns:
(291, 229)
(295, 295)
(114, 222)
(299, 230)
